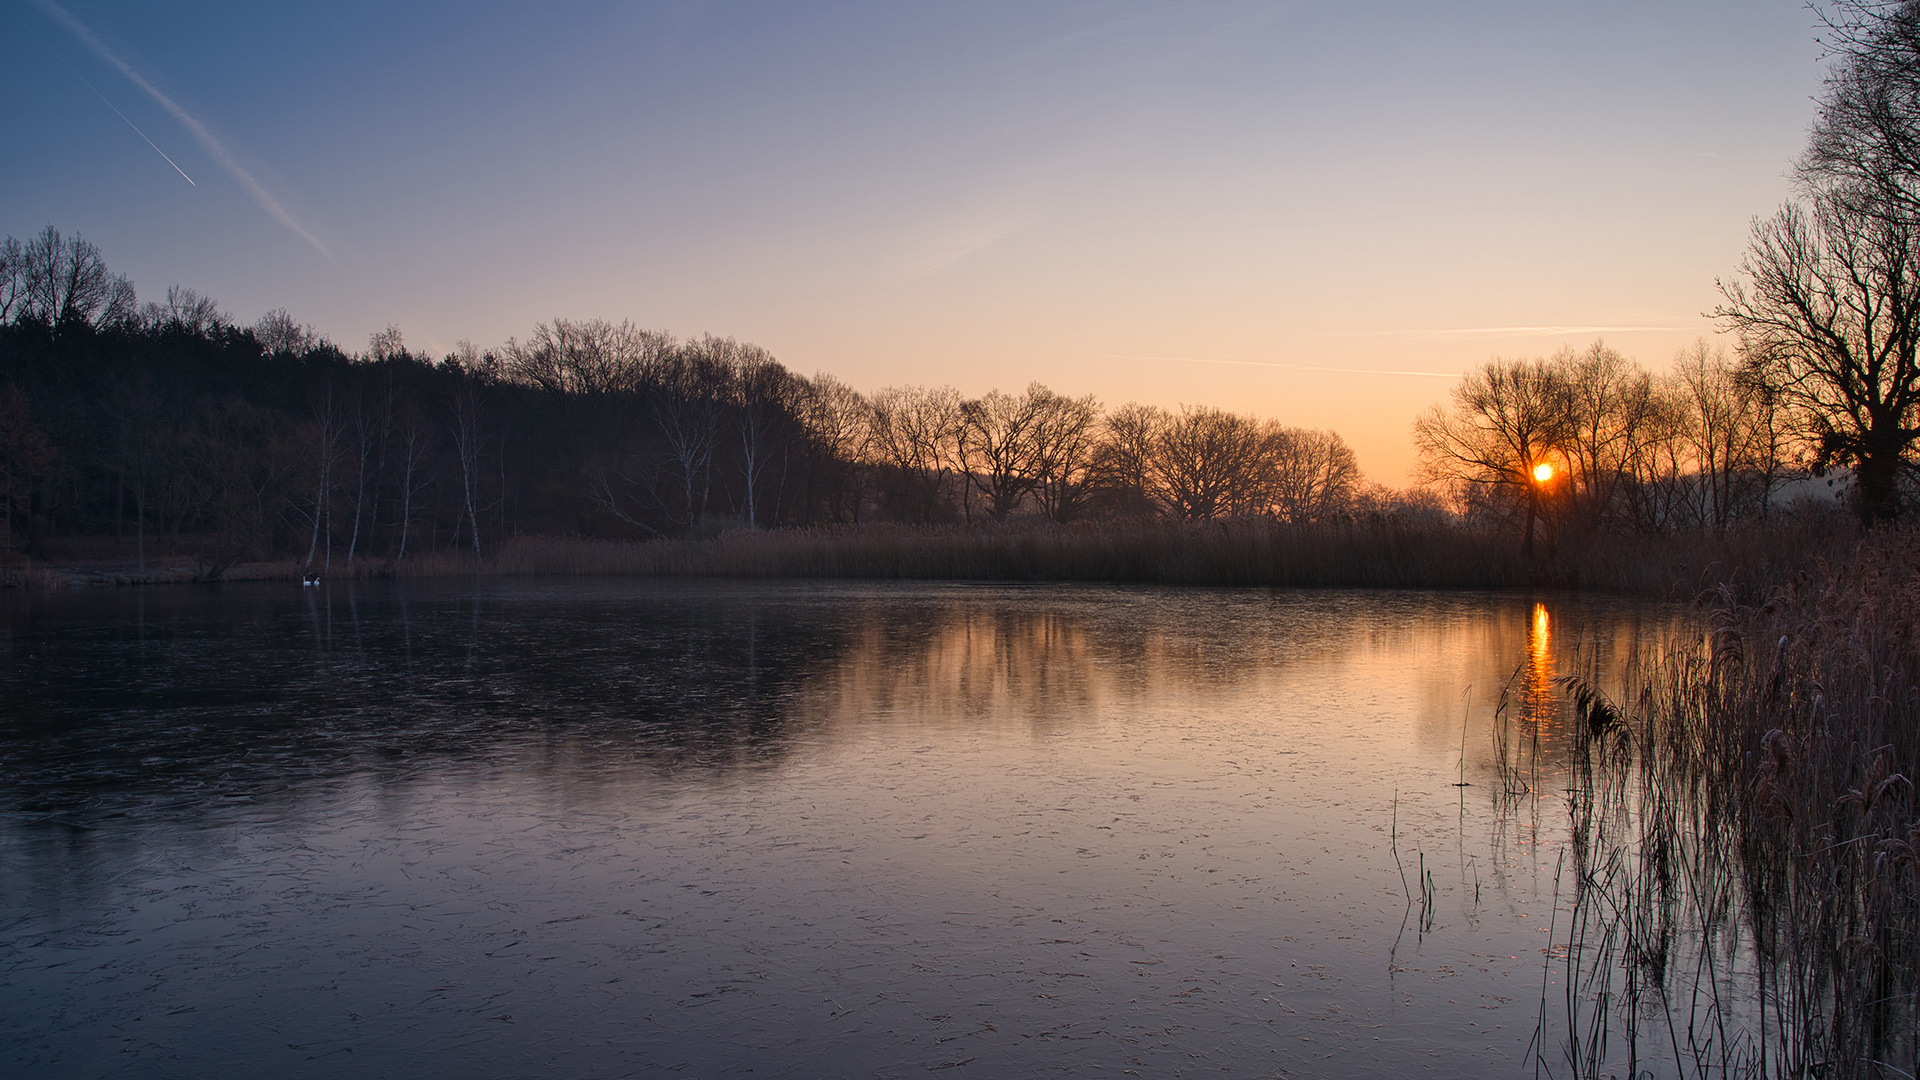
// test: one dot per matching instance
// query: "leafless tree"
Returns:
(1827, 308)
(371, 421)
(325, 431)
(1726, 435)
(1506, 418)
(1609, 404)
(1865, 144)
(1123, 457)
(591, 381)
(1828, 301)
(765, 399)
(687, 395)
(837, 422)
(413, 444)
(13, 280)
(1312, 475)
(467, 425)
(1001, 446)
(185, 312)
(589, 377)
(1068, 434)
(67, 281)
(1207, 463)
(916, 435)
(278, 334)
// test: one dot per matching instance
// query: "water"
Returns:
(719, 829)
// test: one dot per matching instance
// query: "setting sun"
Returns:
(1542, 473)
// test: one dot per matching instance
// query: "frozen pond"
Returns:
(584, 829)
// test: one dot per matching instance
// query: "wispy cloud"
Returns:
(1286, 367)
(1502, 331)
(214, 148)
(1549, 331)
(958, 237)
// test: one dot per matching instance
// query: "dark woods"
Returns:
(166, 427)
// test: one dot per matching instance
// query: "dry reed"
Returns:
(1377, 554)
(1745, 846)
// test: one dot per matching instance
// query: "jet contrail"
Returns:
(1553, 331)
(1291, 367)
(194, 127)
(116, 110)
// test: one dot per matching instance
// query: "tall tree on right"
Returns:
(1827, 303)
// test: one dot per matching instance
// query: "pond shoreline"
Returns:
(1375, 554)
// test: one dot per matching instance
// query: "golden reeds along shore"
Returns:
(1383, 553)
(1745, 853)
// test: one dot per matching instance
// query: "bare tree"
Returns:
(185, 312)
(1865, 144)
(13, 280)
(414, 439)
(467, 425)
(1725, 435)
(1312, 475)
(372, 422)
(1608, 402)
(1068, 435)
(591, 380)
(1207, 463)
(278, 334)
(1507, 418)
(1123, 458)
(687, 394)
(764, 398)
(67, 281)
(1828, 313)
(837, 422)
(1829, 309)
(916, 435)
(1001, 447)
(329, 423)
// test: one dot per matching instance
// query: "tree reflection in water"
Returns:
(802, 828)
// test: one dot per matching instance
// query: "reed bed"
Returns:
(1376, 554)
(1745, 851)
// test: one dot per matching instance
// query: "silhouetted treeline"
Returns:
(158, 423)
(1589, 441)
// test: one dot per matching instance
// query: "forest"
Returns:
(168, 428)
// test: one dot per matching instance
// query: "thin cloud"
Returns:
(1550, 331)
(958, 241)
(194, 127)
(1504, 331)
(1286, 367)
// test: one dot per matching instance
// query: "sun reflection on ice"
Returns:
(1542, 706)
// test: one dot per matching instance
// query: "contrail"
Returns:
(116, 110)
(198, 130)
(1553, 331)
(1290, 367)
(1502, 331)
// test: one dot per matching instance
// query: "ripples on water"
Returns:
(583, 829)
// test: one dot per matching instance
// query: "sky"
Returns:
(1320, 212)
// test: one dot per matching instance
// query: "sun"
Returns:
(1542, 473)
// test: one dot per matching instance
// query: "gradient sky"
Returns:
(1271, 207)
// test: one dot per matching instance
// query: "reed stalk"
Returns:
(1744, 845)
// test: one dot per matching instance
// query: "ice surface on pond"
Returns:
(786, 829)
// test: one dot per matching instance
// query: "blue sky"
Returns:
(1261, 206)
